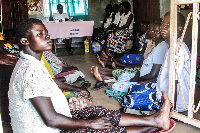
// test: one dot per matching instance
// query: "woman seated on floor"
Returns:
(36, 103)
(149, 70)
(111, 75)
(116, 40)
(136, 58)
(141, 32)
(63, 71)
(161, 83)
(8, 49)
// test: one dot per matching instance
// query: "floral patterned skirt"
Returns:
(116, 41)
(97, 111)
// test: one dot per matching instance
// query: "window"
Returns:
(77, 9)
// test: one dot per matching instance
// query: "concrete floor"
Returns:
(84, 63)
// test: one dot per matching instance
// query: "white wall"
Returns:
(164, 7)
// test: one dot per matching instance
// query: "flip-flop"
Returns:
(110, 80)
(99, 85)
(172, 126)
(86, 84)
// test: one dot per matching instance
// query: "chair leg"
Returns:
(54, 42)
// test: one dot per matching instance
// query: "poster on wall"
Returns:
(34, 7)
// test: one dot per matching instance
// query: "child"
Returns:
(36, 104)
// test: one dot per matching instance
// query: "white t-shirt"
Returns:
(117, 18)
(60, 16)
(155, 57)
(108, 21)
(124, 19)
(183, 72)
(31, 79)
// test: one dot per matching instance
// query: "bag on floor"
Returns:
(96, 47)
(142, 97)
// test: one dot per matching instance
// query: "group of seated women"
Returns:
(37, 104)
(140, 75)
(35, 93)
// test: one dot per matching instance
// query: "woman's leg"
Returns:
(104, 63)
(117, 64)
(106, 72)
(99, 76)
(142, 129)
(160, 119)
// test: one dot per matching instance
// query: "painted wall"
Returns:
(164, 7)
(96, 10)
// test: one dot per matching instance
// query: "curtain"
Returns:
(77, 9)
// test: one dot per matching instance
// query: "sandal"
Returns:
(86, 84)
(110, 80)
(99, 85)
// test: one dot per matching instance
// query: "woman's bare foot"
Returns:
(104, 54)
(103, 64)
(113, 65)
(97, 74)
(92, 69)
(162, 117)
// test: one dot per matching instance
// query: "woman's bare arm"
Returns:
(51, 118)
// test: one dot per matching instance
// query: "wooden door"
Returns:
(145, 10)
(13, 12)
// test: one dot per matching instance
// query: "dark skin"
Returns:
(152, 76)
(157, 38)
(60, 10)
(149, 34)
(130, 18)
(34, 44)
(5, 57)
(122, 9)
(37, 41)
(8, 59)
(68, 87)
(165, 32)
(112, 26)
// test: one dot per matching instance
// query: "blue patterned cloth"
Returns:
(142, 97)
(132, 59)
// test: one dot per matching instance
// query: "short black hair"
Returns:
(127, 5)
(23, 28)
(109, 7)
(145, 22)
(59, 5)
(180, 19)
(158, 21)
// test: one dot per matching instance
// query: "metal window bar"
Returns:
(173, 40)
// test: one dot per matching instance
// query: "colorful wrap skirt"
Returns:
(116, 73)
(120, 88)
(116, 41)
(132, 59)
(70, 76)
(98, 111)
(142, 97)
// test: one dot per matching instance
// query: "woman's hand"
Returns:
(8, 59)
(100, 123)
